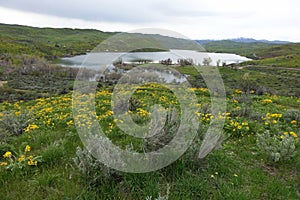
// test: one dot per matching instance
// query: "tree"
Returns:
(185, 62)
(166, 62)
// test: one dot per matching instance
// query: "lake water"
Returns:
(103, 59)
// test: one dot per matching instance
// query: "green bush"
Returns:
(276, 147)
(93, 171)
(291, 115)
(14, 122)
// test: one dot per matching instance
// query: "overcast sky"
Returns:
(196, 19)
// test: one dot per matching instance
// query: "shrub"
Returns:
(93, 171)
(291, 115)
(4, 135)
(163, 136)
(14, 122)
(276, 147)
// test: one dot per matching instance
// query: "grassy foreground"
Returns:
(38, 146)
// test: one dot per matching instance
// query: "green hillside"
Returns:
(288, 61)
(284, 56)
(246, 49)
(53, 43)
(267, 54)
(280, 50)
(48, 42)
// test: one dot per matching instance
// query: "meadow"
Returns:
(43, 157)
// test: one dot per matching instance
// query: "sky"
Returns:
(196, 19)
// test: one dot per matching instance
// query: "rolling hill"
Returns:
(48, 42)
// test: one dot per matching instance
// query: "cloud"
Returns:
(197, 19)
(129, 11)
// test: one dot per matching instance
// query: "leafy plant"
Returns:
(19, 161)
(291, 115)
(276, 147)
(93, 171)
(15, 122)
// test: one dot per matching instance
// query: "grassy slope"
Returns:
(281, 56)
(280, 50)
(245, 49)
(285, 55)
(279, 81)
(289, 61)
(52, 43)
(48, 42)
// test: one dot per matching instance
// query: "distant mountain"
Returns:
(206, 41)
(251, 40)
(245, 40)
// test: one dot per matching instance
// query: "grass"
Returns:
(48, 42)
(288, 61)
(236, 171)
(283, 82)
(246, 49)
(280, 50)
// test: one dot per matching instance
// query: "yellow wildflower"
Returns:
(70, 123)
(281, 137)
(237, 91)
(245, 123)
(22, 158)
(293, 134)
(294, 122)
(266, 101)
(27, 148)
(30, 127)
(3, 163)
(8, 154)
(30, 162)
